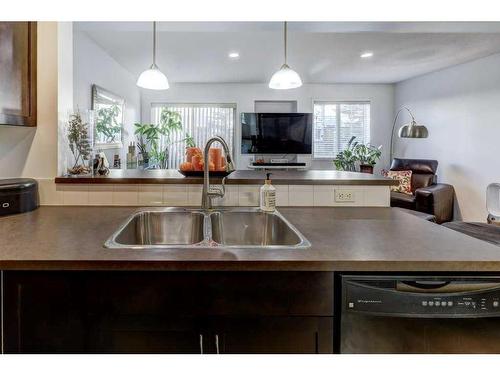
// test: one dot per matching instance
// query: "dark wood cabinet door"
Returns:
(18, 59)
(43, 313)
(143, 334)
(101, 312)
(273, 335)
(143, 312)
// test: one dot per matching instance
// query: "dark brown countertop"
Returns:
(343, 239)
(239, 177)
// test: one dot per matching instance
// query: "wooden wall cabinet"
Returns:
(168, 312)
(18, 70)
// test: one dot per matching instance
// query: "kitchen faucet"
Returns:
(208, 191)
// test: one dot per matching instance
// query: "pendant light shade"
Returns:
(153, 78)
(286, 77)
(413, 130)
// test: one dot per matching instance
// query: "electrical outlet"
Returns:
(344, 195)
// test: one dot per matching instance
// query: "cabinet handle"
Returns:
(217, 343)
(201, 344)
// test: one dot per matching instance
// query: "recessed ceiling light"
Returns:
(234, 55)
(366, 55)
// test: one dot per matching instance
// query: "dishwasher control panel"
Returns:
(464, 302)
(421, 297)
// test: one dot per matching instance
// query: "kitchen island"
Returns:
(64, 292)
(342, 239)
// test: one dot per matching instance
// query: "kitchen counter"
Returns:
(343, 239)
(239, 177)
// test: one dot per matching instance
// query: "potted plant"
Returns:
(346, 159)
(367, 155)
(154, 140)
(78, 132)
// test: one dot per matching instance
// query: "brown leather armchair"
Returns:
(428, 196)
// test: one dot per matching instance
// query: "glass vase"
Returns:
(79, 132)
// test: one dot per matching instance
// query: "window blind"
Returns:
(334, 125)
(200, 121)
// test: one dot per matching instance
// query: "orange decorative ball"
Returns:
(186, 166)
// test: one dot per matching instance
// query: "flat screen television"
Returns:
(276, 133)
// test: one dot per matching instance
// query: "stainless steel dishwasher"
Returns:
(420, 314)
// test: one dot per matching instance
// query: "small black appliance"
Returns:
(18, 195)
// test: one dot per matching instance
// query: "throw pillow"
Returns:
(404, 178)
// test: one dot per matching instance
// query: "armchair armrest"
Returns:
(437, 200)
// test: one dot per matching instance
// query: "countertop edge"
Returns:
(229, 181)
(244, 266)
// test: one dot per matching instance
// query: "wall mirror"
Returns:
(108, 111)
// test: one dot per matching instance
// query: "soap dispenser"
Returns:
(268, 195)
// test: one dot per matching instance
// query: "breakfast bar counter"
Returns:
(238, 177)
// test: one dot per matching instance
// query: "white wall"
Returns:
(461, 108)
(64, 89)
(32, 152)
(92, 65)
(244, 95)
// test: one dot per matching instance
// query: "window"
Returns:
(200, 121)
(334, 125)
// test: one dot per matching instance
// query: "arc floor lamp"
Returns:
(410, 130)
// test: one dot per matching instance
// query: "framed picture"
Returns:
(108, 112)
(18, 73)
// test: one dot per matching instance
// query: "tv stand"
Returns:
(277, 166)
(287, 164)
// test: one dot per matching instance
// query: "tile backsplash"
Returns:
(190, 195)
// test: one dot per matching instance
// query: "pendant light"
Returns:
(153, 78)
(285, 78)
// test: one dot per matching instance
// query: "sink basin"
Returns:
(157, 228)
(183, 228)
(252, 228)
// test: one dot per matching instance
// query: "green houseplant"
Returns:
(367, 155)
(154, 140)
(346, 159)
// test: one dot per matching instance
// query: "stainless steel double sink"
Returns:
(180, 228)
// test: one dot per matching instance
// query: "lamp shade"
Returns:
(153, 79)
(413, 130)
(285, 78)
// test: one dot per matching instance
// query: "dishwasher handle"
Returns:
(425, 285)
(431, 286)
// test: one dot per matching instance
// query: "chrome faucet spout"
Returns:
(208, 191)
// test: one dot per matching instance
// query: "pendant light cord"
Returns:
(284, 36)
(154, 43)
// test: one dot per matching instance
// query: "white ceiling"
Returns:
(322, 52)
